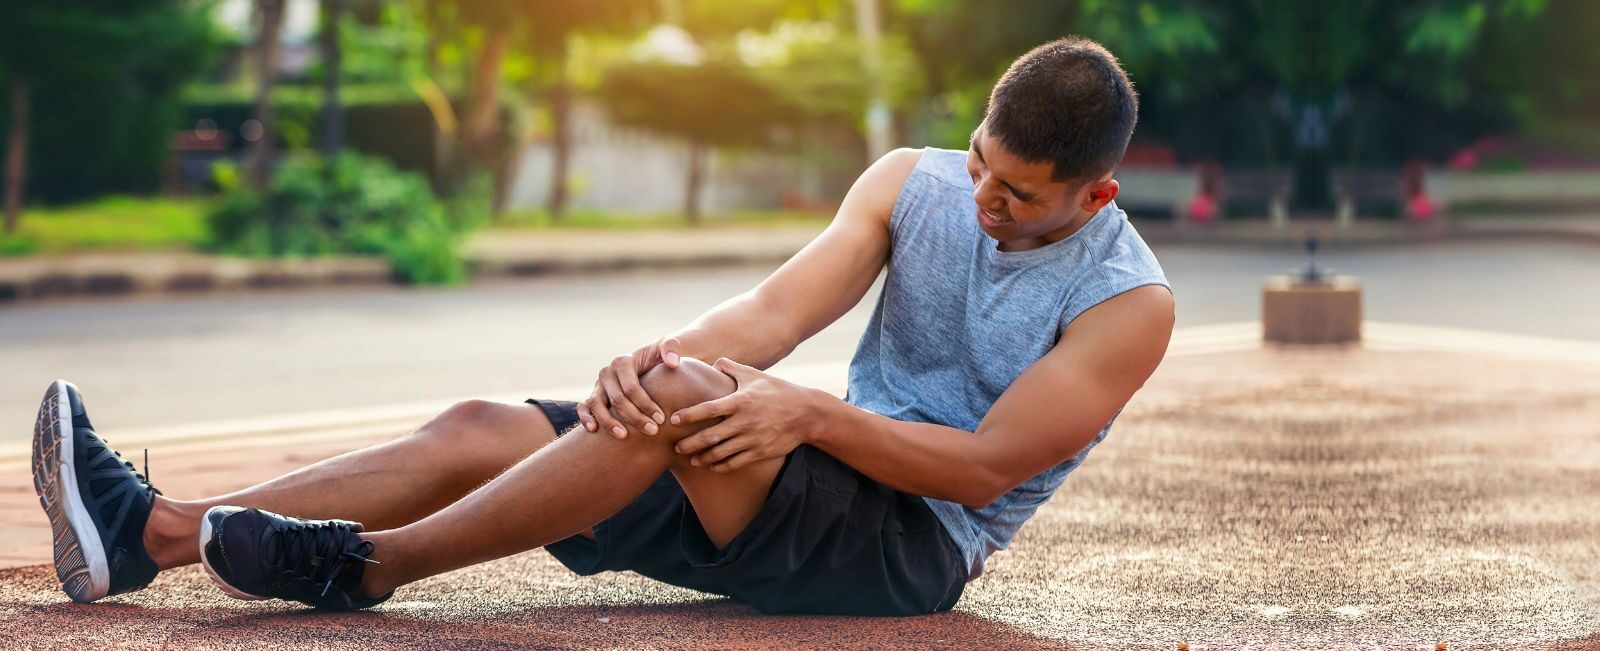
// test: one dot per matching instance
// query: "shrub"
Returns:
(348, 204)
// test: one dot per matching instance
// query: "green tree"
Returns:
(1542, 64)
(76, 73)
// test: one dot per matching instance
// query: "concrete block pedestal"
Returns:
(1295, 311)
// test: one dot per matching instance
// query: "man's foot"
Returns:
(255, 554)
(97, 504)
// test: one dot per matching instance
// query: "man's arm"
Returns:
(1051, 413)
(763, 325)
(815, 287)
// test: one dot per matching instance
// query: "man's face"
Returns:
(1017, 200)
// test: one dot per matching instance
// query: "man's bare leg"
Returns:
(384, 486)
(571, 485)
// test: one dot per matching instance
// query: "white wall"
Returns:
(616, 169)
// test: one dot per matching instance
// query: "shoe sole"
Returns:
(80, 558)
(205, 561)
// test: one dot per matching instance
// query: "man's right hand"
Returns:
(619, 400)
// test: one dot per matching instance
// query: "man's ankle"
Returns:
(171, 535)
(379, 579)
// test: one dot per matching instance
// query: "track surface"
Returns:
(1257, 500)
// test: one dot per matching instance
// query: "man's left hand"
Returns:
(764, 418)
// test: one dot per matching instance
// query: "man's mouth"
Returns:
(988, 218)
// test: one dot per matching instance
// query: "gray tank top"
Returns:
(959, 320)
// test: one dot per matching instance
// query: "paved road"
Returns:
(148, 363)
(1256, 500)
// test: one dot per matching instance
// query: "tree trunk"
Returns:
(482, 125)
(17, 150)
(442, 154)
(332, 64)
(262, 150)
(480, 136)
(560, 143)
(696, 176)
(504, 175)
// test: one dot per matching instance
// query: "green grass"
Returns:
(139, 224)
(599, 220)
(111, 224)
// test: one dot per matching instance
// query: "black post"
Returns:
(1312, 273)
(332, 61)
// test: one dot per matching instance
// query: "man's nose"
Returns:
(984, 195)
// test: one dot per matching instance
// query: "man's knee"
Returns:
(476, 425)
(692, 383)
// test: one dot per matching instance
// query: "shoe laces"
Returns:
(318, 552)
(144, 477)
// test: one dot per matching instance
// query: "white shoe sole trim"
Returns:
(75, 532)
(205, 536)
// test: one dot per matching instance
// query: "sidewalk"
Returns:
(1249, 497)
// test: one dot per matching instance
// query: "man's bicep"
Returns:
(831, 274)
(1060, 403)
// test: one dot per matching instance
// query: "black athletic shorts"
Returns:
(829, 540)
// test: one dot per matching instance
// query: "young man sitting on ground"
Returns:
(1020, 313)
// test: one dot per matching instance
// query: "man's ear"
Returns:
(1099, 193)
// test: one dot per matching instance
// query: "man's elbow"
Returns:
(985, 488)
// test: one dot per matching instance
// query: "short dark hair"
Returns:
(1067, 102)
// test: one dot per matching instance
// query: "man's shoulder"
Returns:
(946, 165)
(911, 180)
(1115, 247)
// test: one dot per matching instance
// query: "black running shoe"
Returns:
(97, 504)
(255, 554)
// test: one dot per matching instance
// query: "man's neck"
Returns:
(1078, 222)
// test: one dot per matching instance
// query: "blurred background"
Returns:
(1447, 151)
(230, 124)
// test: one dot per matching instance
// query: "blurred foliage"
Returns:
(1251, 82)
(348, 204)
(962, 43)
(115, 223)
(373, 115)
(1548, 72)
(106, 80)
(815, 69)
(718, 103)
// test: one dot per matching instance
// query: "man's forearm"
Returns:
(741, 329)
(919, 458)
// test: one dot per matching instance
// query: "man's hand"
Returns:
(618, 394)
(764, 418)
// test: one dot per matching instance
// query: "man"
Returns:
(1020, 313)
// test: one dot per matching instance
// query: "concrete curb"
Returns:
(186, 273)
(493, 255)
(513, 253)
